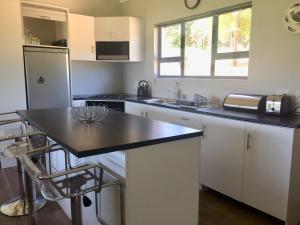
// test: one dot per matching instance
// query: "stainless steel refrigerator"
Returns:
(47, 77)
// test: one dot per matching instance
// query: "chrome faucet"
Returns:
(177, 91)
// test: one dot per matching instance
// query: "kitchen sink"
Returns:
(179, 104)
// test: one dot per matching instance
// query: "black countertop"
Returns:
(289, 121)
(118, 131)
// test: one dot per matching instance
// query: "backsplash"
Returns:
(89, 78)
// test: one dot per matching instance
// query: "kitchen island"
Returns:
(160, 163)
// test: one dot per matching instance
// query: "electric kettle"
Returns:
(144, 89)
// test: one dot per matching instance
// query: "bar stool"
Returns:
(17, 206)
(71, 183)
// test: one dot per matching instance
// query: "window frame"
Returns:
(214, 51)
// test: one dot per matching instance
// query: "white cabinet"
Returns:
(78, 103)
(221, 166)
(164, 114)
(44, 12)
(125, 29)
(249, 162)
(82, 37)
(135, 109)
(112, 28)
(174, 116)
(267, 167)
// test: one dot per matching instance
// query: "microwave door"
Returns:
(115, 50)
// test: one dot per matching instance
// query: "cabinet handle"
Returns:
(204, 129)
(184, 118)
(248, 141)
(146, 114)
(92, 49)
(142, 113)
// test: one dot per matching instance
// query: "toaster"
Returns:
(279, 104)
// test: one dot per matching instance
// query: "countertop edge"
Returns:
(226, 116)
(123, 147)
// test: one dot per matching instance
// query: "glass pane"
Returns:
(170, 69)
(198, 43)
(232, 67)
(234, 31)
(171, 41)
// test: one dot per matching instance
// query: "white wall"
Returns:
(96, 77)
(12, 82)
(274, 56)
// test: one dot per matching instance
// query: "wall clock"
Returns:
(191, 4)
(292, 18)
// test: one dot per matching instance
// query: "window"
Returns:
(214, 45)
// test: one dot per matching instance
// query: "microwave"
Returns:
(112, 50)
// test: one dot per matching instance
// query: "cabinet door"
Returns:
(120, 27)
(112, 28)
(103, 29)
(135, 108)
(222, 145)
(82, 37)
(267, 160)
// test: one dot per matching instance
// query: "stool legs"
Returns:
(30, 200)
(76, 210)
(16, 206)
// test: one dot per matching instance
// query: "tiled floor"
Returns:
(215, 209)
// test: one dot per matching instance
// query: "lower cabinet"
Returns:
(267, 168)
(249, 162)
(221, 166)
(135, 109)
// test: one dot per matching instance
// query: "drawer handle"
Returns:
(184, 118)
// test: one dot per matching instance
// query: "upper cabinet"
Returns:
(109, 39)
(44, 25)
(113, 28)
(82, 37)
(124, 36)
(44, 12)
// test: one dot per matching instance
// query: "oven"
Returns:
(111, 104)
